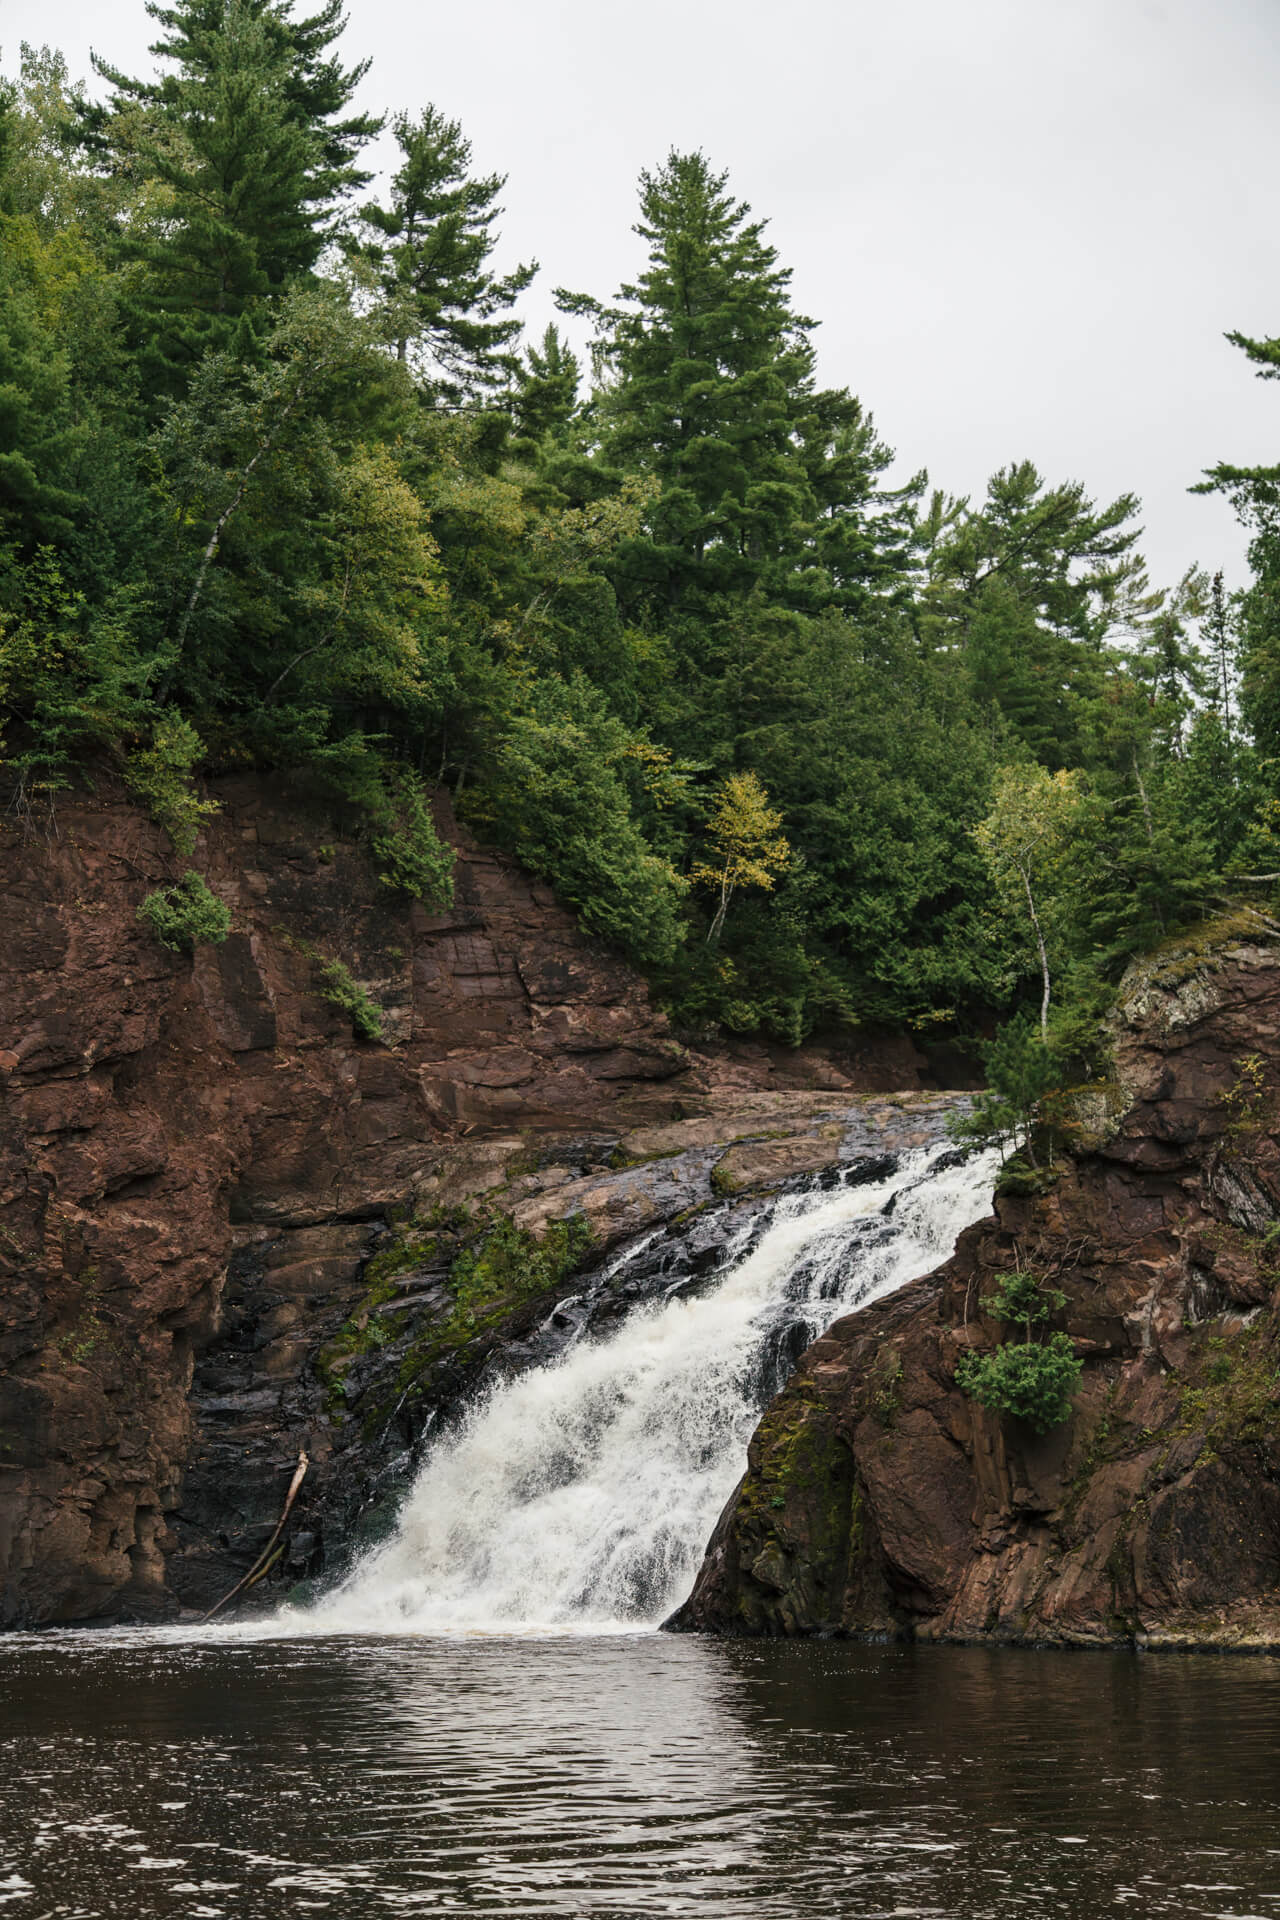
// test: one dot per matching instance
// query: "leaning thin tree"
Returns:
(745, 847)
(1029, 822)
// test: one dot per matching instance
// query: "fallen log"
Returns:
(267, 1556)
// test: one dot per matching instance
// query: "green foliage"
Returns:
(559, 797)
(39, 442)
(547, 391)
(186, 914)
(1238, 1395)
(1034, 1378)
(161, 777)
(1030, 1380)
(279, 488)
(244, 161)
(1023, 840)
(768, 482)
(336, 984)
(1028, 585)
(722, 1182)
(1218, 1367)
(745, 848)
(361, 1333)
(1020, 1071)
(1024, 1298)
(1248, 1098)
(71, 681)
(509, 1262)
(448, 312)
(410, 854)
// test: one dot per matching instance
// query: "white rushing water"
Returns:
(579, 1497)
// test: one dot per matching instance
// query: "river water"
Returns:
(482, 1717)
(631, 1775)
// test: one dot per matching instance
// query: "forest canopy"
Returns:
(283, 486)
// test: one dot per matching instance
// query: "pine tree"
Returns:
(1026, 589)
(767, 481)
(1069, 560)
(249, 160)
(1254, 492)
(450, 313)
(546, 393)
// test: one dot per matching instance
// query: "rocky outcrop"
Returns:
(880, 1500)
(198, 1161)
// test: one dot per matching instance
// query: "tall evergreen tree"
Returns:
(547, 390)
(251, 161)
(450, 313)
(1026, 588)
(1254, 492)
(767, 481)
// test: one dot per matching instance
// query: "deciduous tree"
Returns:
(1023, 837)
(746, 847)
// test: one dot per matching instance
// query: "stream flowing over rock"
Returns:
(879, 1500)
(231, 1232)
(198, 1161)
(578, 1491)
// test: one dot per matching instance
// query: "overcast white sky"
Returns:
(1024, 224)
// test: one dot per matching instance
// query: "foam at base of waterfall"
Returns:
(579, 1497)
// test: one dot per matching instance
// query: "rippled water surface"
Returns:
(632, 1775)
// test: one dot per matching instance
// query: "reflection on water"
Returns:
(632, 1776)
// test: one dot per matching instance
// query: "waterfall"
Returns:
(579, 1496)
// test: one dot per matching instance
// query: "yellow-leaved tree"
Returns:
(1023, 839)
(746, 848)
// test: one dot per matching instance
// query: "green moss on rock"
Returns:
(799, 1516)
(1237, 1397)
(504, 1266)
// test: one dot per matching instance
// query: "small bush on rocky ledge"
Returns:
(1029, 1379)
(161, 776)
(339, 987)
(185, 914)
(1025, 1299)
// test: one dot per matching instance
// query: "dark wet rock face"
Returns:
(371, 1389)
(879, 1499)
(197, 1161)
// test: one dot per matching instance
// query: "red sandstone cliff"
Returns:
(196, 1159)
(880, 1499)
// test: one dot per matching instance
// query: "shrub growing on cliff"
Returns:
(410, 854)
(1025, 1300)
(1031, 1379)
(512, 1262)
(185, 914)
(342, 990)
(161, 777)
